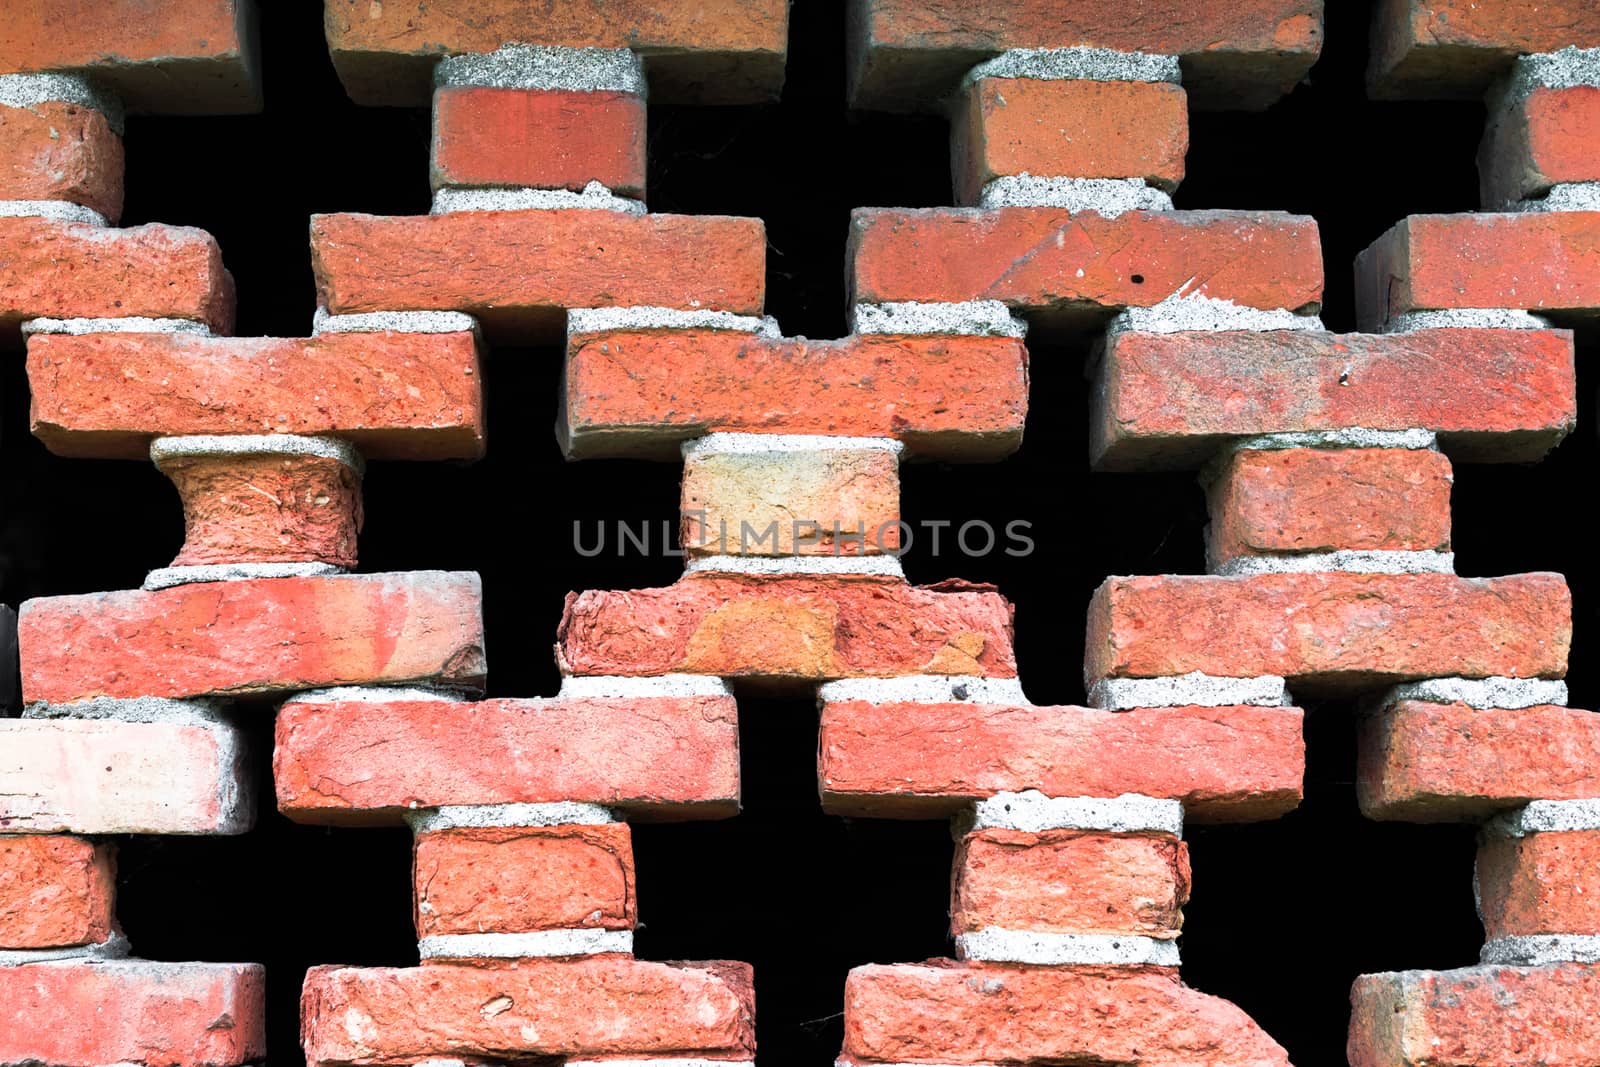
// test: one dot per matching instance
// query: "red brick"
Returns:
(1322, 500)
(945, 1013)
(790, 629)
(1422, 762)
(1070, 881)
(266, 509)
(502, 879)
(105, 776)
(55, 890)
(539, 138)
(641, 393)
(255, 636)
(923, 761)
(1331, 632)
(195, 59)
(61, 151)
(395, 395)
(911, 53)
(1539, 141)
(1170, 400)
(601, 1006)
(1538, 261)
(1052, 260)
(518, 270)
(1078, 129)
(358, 763)
(66, 270)
(730, 51)
(134, 1012)
(1438, 49)
(1544, 883)
(1484, 1016)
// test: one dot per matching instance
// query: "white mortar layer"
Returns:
(603, 686)
(478, 816)
(1056, 950)
(1566, 196)
(393, 322)
(1196, 311)
(134, 709)
(1033, 812)
(257, 444)
(1079, 64)
(56, 210)
(115, 947)
(924, 689)
(1540, 950)
(1491, 693)
(375, 694)
(1546, 817)
(971, 318)
(1109, 197)
(168, 577)
(602, 320)
(520, 946)
(1568, 68)
(528, 66)
(1194, 689)
(129, 324)
(1354, 437)
(755, 444)
(594, 196)
(881, 566)
(1466, 319)
(1350, 561)
(27, 90)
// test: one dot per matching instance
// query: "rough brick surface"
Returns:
(55, 890)
(674, 757)
(1331, 631)
(1428, 49)
(1169, 400)
(926, 760)
(60, 151)
(255, 636)
(1079, 129)
(604, 1007)
(1540, 141)
(1546, 883)
(790, 629)
(539, 138)
(396, 396)
(945, 397)
(1422, 762)
(952, 1014)
(1070, 881)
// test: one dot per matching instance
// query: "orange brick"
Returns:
(61, 151)
(539, 138)
(1453, 49)
(1538, 141)
(55, 890)
(1078, 129)
(1544, 883)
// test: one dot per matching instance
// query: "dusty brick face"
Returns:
(60, 151)
(1455, 48)
(55, 890)
(539, 138)
(1540, 141)
(1544, 883)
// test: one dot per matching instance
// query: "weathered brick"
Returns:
(911, 53)
(1537, 141)
(363, 763)
(1330, 632)
(596, 1007)
(255, 636)
(1322, 500)
(104, 776)
(1070, 881)
(730, 51)
(920, 761)
(134, 1012)
(1436, 49)
(1170, 400)
(1544, 883)
(789, 630)
(61, 151)
(55, 890)
(1485, 1016)
(1046, 259)
(65, 270)
(502, 879)
(1538, 261)
(519, 270)
(539, 138)
(395, 395)
(641, 393)
(1422, 762)
(945, 1013)
(1068, 128)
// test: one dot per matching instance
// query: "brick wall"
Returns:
(223, 766)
